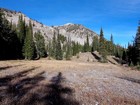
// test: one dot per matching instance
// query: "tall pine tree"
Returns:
(40, 44)
(137, 44)
(102, 46)
(21, 33)
(53, 51)
(68, 50)
(59, 53)
(95, 44)
(29, 45)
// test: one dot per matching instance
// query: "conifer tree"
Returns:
(111, 44)
(29, 45)
(21, 29)
(77, 48)
(21, 33)
(131, 54)
(49, 49)
(53, 52)
(68, 50)
(95, 44)
(87, 45)
(59, 53)
(40, 44)
(124, 56)
(137, 44)
(74, 48)
(111, 38)
(102, 49)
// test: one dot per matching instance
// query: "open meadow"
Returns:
(51, 82)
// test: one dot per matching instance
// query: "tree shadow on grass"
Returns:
(130, 79)
(7, 67)
(58, 94)
(20, 89)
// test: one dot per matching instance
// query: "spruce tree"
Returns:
(77, 48)
(21, 33)
(111, 44)
(137, 44)
(124, 56)
(59, 53)
(29, 45)
(74, 48)
(21, 29)
(95, 44)
(68, 50)
(49, 49)
(111, 38)
(131, 53)
(40, 44)
(53, 51)
(87, 45)
(102, 46)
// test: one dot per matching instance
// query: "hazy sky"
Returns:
(119, 17)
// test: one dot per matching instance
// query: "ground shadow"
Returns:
(130, 79)
(7, 67)
(60, 95)
(96, 57)
(20, 89)
(119, 61)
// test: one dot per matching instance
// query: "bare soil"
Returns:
(51, 82)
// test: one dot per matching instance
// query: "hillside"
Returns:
(76, 32)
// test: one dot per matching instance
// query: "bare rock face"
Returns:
(76, 32)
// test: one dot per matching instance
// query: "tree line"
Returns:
(19, 42)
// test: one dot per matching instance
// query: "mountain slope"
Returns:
(76, 32)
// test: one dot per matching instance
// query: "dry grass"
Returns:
(50, 82)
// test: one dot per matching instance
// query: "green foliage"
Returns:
(29, 45)
(40, 44)
(68, 50)
(53, 51)
(59, 53)
(124, 56)
(111, 38)
(74, 48)
(62, 38)
(49, 49)
(133, 51)
(9, 43)
(21, 34)
(21, 30)
(95, 44)
(102, 46)
(87, 47)
(137, 44)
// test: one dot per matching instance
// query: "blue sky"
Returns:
(119, 17)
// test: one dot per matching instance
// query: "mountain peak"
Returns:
(68, 24)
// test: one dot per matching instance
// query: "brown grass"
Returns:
(50, 82)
